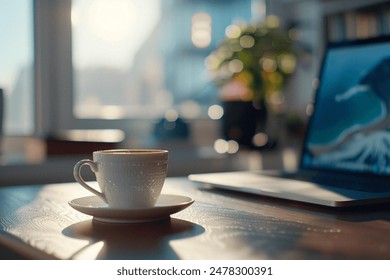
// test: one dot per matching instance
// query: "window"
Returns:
(109, 39)
(138, 59)
(99, 64)
(16, 66)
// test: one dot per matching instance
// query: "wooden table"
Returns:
(37, 222)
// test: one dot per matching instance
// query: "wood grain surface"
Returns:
(37, 223)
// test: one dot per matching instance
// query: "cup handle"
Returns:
(80, 180)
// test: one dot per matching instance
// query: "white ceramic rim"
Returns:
(132, 152)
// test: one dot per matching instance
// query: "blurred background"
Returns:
(82, 75)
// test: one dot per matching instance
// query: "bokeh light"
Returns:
(236, 66)
(273, 21)
(287, 63)
(171, 115)
(233, 31)
(260, 139)
(215, 112)
(268, 64)
(201, 30)
(222, 146)
(247, 41)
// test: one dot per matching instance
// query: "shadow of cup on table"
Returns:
(141, 241)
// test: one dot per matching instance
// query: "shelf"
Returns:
(359, 23)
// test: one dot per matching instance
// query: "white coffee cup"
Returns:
(127, 178)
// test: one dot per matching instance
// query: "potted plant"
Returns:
(250, 68)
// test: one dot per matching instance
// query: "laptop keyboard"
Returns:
(354, 182)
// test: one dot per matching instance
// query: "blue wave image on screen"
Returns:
(350, 128)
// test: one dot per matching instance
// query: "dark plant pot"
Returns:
(242, 120)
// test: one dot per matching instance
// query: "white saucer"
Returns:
(166, 205)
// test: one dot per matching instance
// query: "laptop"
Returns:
(345, 158)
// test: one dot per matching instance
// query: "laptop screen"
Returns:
(350, 126)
